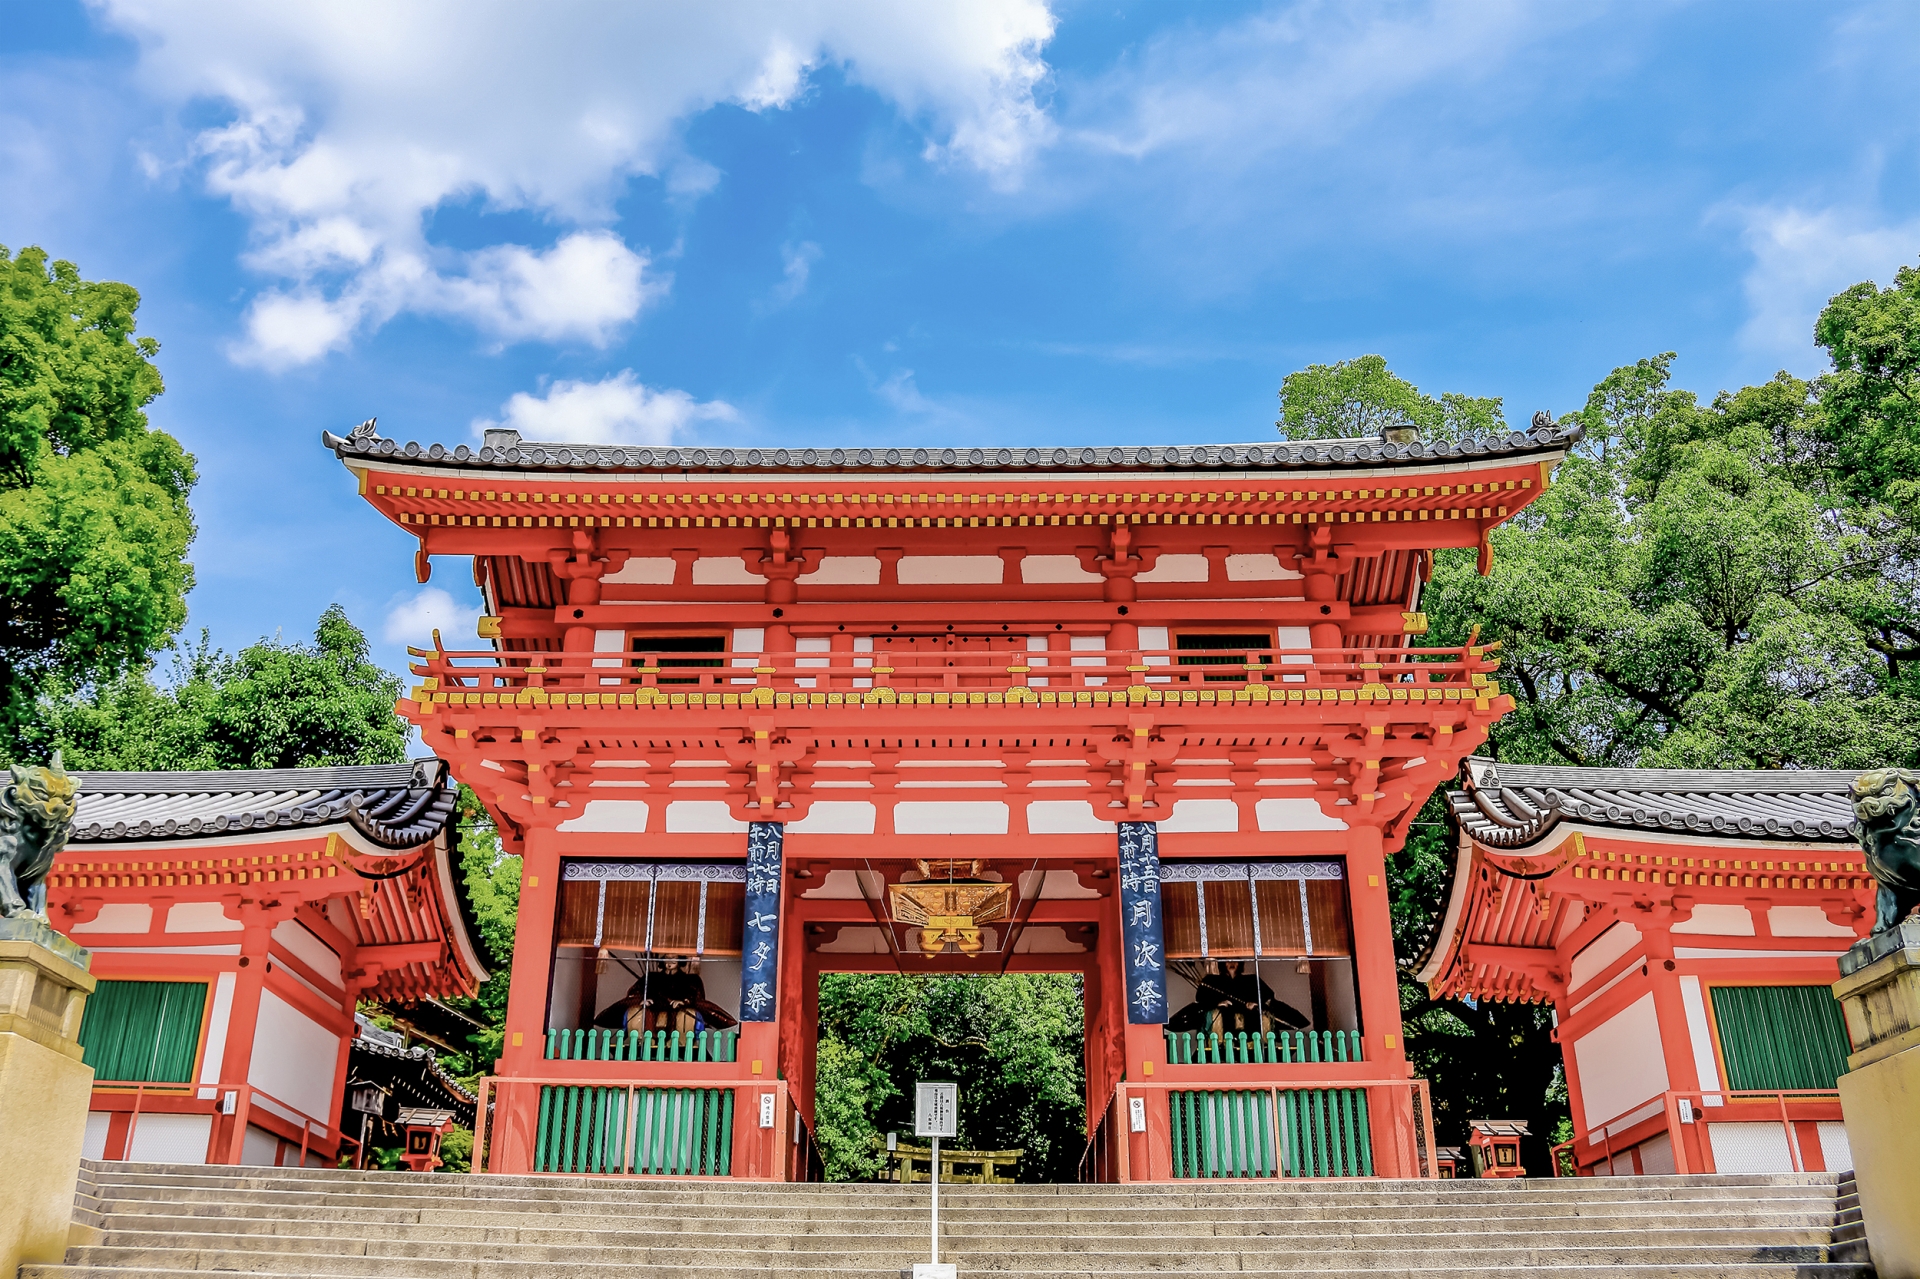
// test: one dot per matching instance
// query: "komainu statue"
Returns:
(36, 816)
(1884, 804)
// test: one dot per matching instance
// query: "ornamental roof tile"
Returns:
(1517, 805)
(505, 450)
(392, 805)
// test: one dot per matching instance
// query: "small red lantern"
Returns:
(1495, 1146)
(424, 1129)
(1447, 1161)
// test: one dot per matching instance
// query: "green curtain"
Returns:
(1780, 1037)
(143, 1031)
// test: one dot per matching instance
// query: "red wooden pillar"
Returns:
(1379, 983)
(524, 1050)
(258, 921)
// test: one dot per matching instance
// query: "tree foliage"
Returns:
(1014, 1043)
(271, 705)
(94, 524)
(1364, 397)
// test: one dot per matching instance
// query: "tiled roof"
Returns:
(393, 805)
(506, 450)
(1516, 805)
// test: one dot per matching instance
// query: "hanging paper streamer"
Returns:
(1140, 923)
(760, 942)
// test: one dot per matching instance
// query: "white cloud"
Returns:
(352, 122)
(796, 268)
(1801, 259)
(615, 410)
(414, 619)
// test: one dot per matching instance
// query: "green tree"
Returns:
(1014, 1042)
(492, 879)
(94, 525)
(271, 705)
(1695, 589)
(1364, 397)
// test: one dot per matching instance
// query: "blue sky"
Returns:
(856, 221)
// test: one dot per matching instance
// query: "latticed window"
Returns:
(143, 1031)
(1780, 1037)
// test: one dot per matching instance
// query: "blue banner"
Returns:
(760, 942)
(1146, 962)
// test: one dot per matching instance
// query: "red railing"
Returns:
(1439, 673)
(232, 1099)
(1701, 1108)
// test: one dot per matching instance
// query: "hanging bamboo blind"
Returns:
(686, 917)
(1213, 917)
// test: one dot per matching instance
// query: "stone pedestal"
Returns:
(1879, 991)
(44, 1089)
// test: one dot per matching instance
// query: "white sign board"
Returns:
(936, 1110)
(766, 1110)
(1136, 1114)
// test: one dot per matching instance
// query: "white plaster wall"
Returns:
(1176, 568)
(926, 570)
(1804, 921)
(171, 1139)
(1749, 1148)
(1065, 817)
(835, 817)
(1656, 1156)
(259, 1148)
(119, 917)
(1700, 1036)
(1620, 1063)
(846, 570)
(1054, 569)
(625, 816)
(201, 917)
(217, 1024)
(724, 570)
(701, 817)
(1294, 814)
(965, 818)
(1257, 568)
(94, 1144)
(1718, 919)
(1602, 951)
(308, 949)
(1836, 1151)
(294, 1058)
(1196, 816)
(750, 639)
(644, 571)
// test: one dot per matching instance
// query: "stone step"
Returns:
(1655, 1269)
(349, 1236)
(174, 1220)
(1251, 1205)
(454, 1225)
(1221, 1195)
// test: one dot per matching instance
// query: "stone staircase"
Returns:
(170, 1221)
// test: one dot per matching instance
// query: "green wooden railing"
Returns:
(1234, 1132)
(685, 1132)
(1197, 1048)
(637, 1045)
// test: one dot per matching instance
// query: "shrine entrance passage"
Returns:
(1012, 1042)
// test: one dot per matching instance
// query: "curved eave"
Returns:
(463, 927)
(1445, 941)
(1548, 444)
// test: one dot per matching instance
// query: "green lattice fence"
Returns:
(1239, 1132)
(659, 1131)
(635, 1045)
(1197, 1048)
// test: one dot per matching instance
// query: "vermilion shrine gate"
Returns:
(1154, 716)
